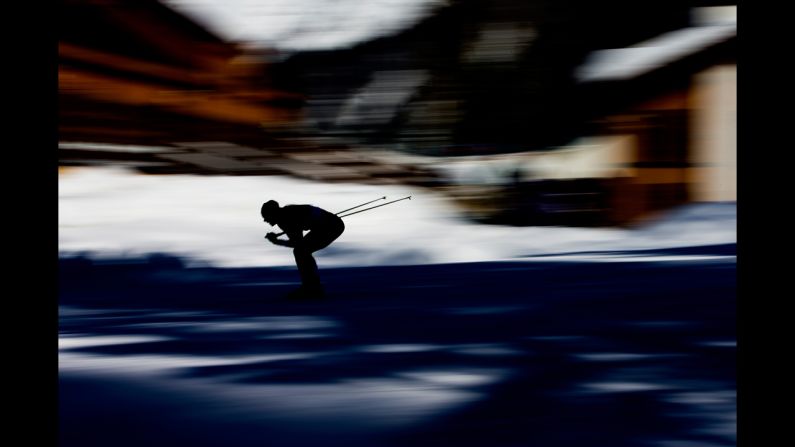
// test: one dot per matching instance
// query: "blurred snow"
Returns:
(114, 212)
(291, 25)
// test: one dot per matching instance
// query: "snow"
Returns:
(291, 25)
(627, 63)
(115, 212)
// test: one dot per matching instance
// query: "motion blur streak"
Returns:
(564, 274)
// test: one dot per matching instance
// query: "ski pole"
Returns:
(359, 206)
(377, 206)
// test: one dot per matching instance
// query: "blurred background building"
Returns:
(137, 72)
(523, 113)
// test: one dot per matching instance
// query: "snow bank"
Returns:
(112, 212)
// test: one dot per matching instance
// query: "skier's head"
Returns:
(269, 210)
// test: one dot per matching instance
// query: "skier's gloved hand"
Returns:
(272, 237)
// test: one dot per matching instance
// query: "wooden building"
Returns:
(663, 133)
(135, 71)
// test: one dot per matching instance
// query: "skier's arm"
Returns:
(293, 237)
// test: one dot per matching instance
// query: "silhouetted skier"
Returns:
(324, 227)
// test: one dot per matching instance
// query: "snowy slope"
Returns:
(215, 220)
